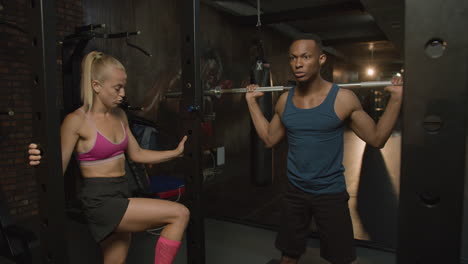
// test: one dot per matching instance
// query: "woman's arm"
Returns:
(69, 136)
(146, 156)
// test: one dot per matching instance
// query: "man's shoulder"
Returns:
(281, 103)
(283, 97)
(347, 99)
(346, 94)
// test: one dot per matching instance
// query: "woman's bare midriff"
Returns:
(114, 168)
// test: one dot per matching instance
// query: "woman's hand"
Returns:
(180, 147)
(34, 155)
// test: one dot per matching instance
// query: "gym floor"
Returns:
(226, 243)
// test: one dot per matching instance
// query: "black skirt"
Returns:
(104, 201)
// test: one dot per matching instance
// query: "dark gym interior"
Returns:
(408, 201)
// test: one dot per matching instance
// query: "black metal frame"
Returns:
(434, 133)
(192, 114)
(46, 130)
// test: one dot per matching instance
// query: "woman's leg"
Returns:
(143, 214)
(115, 248)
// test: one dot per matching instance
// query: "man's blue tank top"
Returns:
(315, 138)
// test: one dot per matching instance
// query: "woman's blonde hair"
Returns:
(93, 68)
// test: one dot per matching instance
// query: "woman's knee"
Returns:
(183, 213)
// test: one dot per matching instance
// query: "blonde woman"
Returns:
(99, 133)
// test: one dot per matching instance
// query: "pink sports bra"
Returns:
(103, 150)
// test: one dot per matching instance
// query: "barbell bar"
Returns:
(218, 91)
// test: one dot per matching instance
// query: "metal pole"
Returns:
(192, 109)
(218, 91)
(365, 84)
(259, 89)
(282, 88)
(46, 131)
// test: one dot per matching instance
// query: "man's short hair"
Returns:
(310, 36)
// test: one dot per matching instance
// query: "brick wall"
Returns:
(17, 182)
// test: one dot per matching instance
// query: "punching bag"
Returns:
(261, 157)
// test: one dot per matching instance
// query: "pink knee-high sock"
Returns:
(166, 250)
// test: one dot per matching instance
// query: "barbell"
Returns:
(218, 91)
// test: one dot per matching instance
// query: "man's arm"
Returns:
(364, 126)
(270, 132)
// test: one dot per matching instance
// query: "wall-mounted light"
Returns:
(370, 71)
(370, 68)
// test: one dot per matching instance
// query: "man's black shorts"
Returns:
(331, 214)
